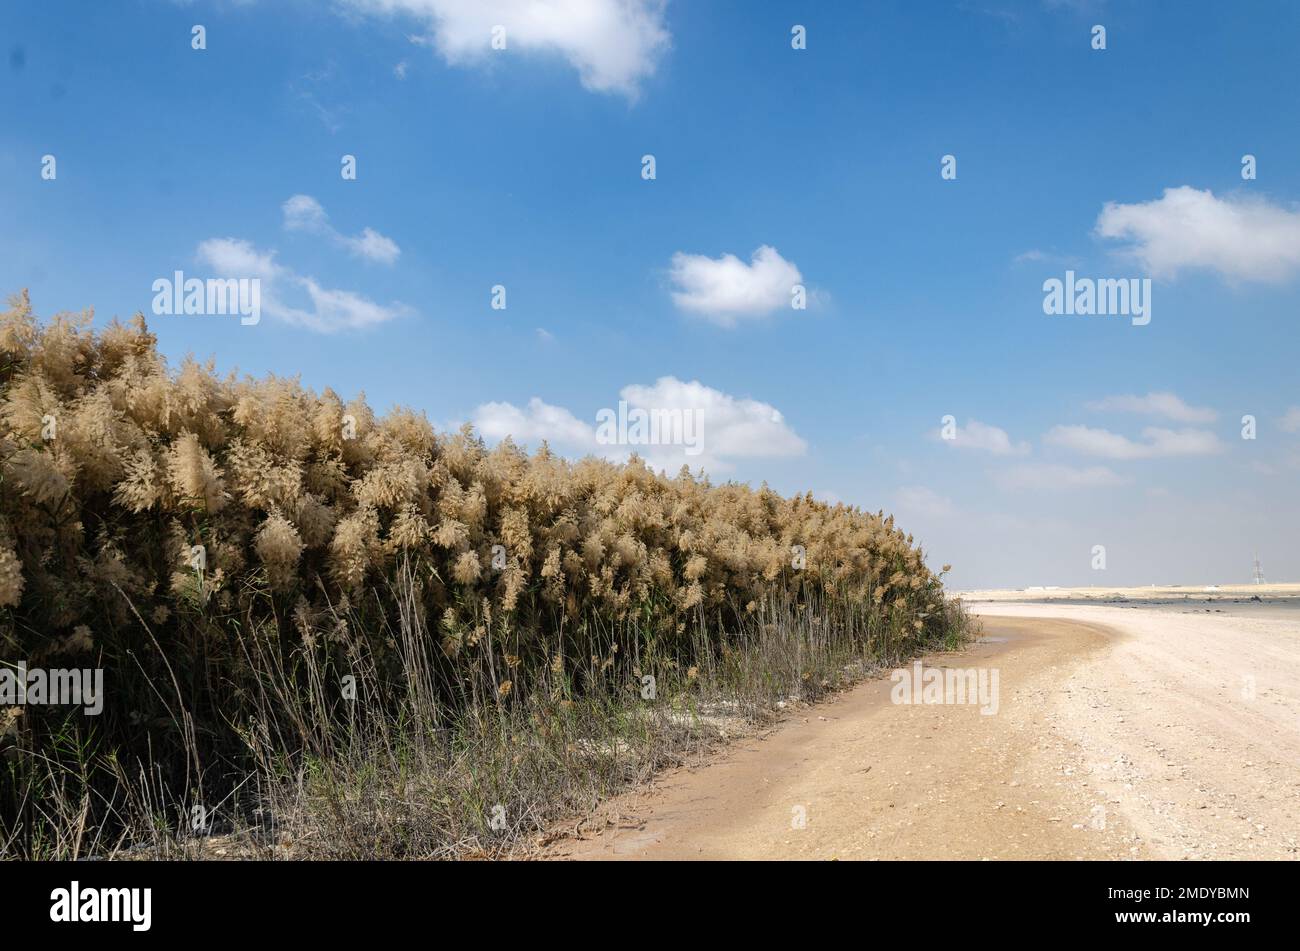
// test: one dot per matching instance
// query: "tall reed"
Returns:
(362, 634)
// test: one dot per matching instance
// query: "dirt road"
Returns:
(1117, 734)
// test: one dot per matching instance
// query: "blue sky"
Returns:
(522, 168)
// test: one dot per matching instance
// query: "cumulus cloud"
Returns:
(728, 427)
(986, 438)
(726, 288)
(613, 44)
(1241, 238)
(734, 427)
(1167, 405)
(327, 310)
(1159, 442)
(535, 423)
(1290, 423)
(1046, 476)
(305, 213)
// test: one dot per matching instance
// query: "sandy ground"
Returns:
(1120, 733)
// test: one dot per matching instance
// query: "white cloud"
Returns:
(723, 289)
(1048, 476)
(733, 427)
(232, 257)
(1167, 405)
(919, 500)
(1039, 256)
(730, 427)
(537, 422)
(1291, 421)
(330, 310)
(373, 246)
(338, 310)
(613, 44)
(305, 213)
(986, 438)
(1159, 442)
(1241, 238)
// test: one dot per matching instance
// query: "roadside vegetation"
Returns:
(328, 634)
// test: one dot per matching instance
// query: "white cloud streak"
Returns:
(1051, 477)
(986, 438)
(330, 310)
(1160, 443)
(1166, 405)
(304, 213)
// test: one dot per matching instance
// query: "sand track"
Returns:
(1119, 734)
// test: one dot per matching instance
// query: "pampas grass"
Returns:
(306, 512)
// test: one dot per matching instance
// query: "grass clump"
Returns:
(331, 634)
